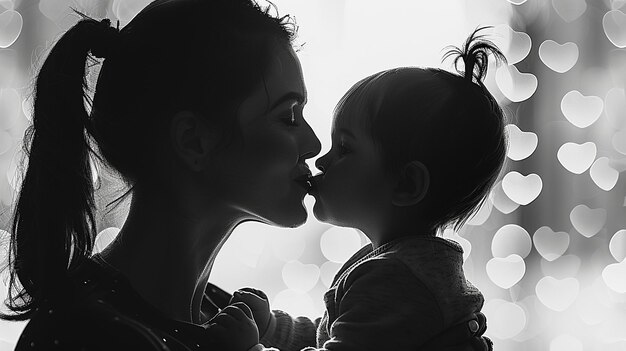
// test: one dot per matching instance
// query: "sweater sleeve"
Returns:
(383, 307)
(289, 334)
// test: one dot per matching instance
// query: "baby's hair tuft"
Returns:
(475, 54)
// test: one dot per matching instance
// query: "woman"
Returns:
(198, 107)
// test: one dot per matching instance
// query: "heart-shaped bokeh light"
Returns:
(569, 10)
(551, 245)
(614, 276)
(616, 4)
(506, 272)
(10, 27)
(582, 111)
(619, 142)
(514, 85)
(587, 221)
(577, 158)
(506, 319)
(514, 45)
(501, 201)
(557, 294)
(511, 239)
(338, 244)
(603, 174)
(55, 9)
(558, 57)
(6, 5)
(521, 144)
(522, 189)
(617, 245)
(614, 23)
(300, 277)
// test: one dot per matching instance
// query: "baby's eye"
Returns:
(343, 148)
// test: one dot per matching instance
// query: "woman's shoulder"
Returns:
(87, 324)
(97, 314)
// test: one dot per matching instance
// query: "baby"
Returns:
(414, 151)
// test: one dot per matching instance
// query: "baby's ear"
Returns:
(412, 184)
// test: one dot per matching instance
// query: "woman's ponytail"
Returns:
(53, 227)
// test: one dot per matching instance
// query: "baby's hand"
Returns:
(258, 303)
(234, 328)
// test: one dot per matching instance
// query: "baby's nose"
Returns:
(321, 162)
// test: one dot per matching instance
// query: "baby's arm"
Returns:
(277, 328)
(234, 329)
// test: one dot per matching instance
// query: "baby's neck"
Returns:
(383, 238)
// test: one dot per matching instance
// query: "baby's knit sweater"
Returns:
(397, 297)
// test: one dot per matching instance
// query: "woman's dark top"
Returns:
(106, 313)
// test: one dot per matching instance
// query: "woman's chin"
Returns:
(292, 218)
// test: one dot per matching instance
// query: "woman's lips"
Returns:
(305, 181)
(314, 181)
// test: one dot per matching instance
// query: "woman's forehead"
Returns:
(284, 78)
(281, 83)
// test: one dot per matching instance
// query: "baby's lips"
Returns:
(315, 182)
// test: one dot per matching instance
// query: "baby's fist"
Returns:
(233, 328)
(258, 303)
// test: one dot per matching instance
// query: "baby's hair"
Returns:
(449, 122)
(475, 54)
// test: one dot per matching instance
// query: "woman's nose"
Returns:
(310, 144)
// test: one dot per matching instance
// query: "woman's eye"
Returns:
(290, 120)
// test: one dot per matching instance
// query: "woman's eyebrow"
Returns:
(291, 96)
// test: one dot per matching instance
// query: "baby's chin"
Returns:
(318, 210)
(322, 214)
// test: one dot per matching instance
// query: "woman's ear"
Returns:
(192, 139)
(412, 184)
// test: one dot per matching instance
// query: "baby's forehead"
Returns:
(351, 124)
(348, 119)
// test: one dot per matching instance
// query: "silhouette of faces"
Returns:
(262, 172)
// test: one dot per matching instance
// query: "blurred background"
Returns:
(547, 249)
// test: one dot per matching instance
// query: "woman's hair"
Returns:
(449, 122)
(199, 55)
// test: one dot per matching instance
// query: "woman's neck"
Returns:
(166, 250)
